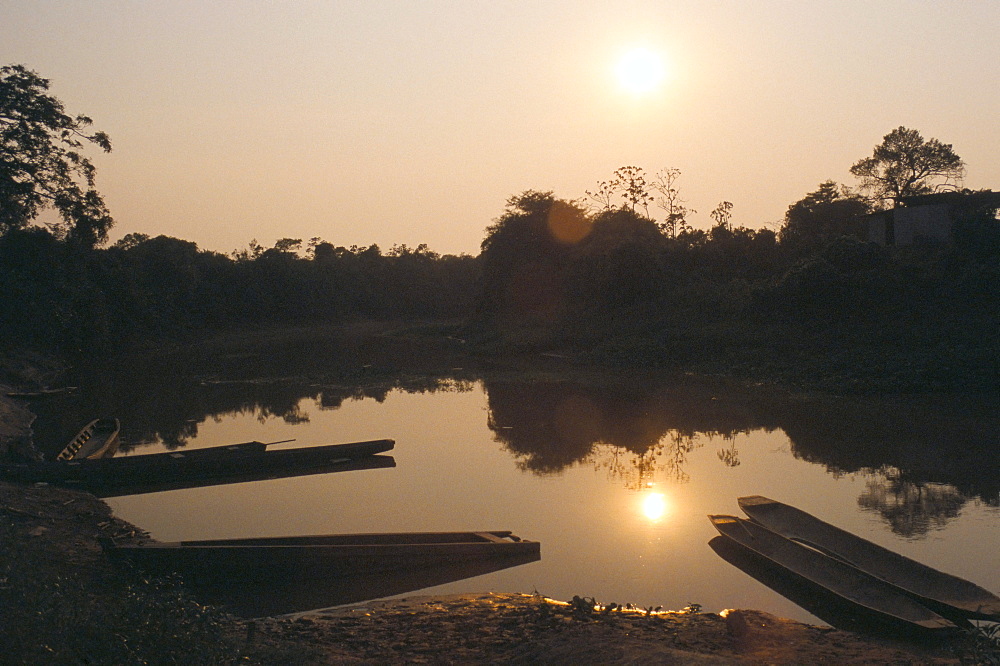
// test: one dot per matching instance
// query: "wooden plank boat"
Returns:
(195, 481)
(98, 439)
(943, 592)
(318, 557)
(260, 598)
(869, 595)
(181, 466)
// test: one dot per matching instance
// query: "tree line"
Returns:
(57, 295)
(603, 271)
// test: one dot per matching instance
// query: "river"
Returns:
(615, 475)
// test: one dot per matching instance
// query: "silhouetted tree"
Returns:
(129, 241)
(524, 255)
(722, 214)
(41, 165)
(604, 195)
(631, 181)
(671, 202)
(905, 164)
(619, 263)
(827, 213)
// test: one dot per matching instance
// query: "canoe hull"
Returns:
(98, 439)
(258, 598)
(867, 594)
(105, 475)
(320, 557)
(943, 592)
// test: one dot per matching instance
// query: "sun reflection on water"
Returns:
(654, 506)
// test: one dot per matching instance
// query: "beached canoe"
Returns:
(260, 598)
(302, 558)
(867, 594)
(97, 439)
(250, 459)
(943, 592)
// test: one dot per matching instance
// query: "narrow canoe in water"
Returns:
(252, 458)
(299, 558)
(869, 595)
(98, 439)
(941, 591)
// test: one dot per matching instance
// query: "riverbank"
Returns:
(64, 603)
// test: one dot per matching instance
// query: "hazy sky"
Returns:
(413, 122)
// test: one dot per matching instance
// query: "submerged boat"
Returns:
(98, 439)
(941, 591)
(868, 595)
(250, 459)
(303, 558)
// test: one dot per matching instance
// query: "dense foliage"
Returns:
(816, 296)
(41, 164)
(57, 295)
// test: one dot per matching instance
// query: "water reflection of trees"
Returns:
(925, 459)
(917, 446)
(911, 509)
(633, 433)
(170, 413)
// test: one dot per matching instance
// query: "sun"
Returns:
(640, 71)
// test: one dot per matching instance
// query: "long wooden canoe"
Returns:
(822, 603)
(198, 481)
(185, 466)
(301, 558)
(869, 595)
(97, 439)
(936, 589)
(258, 598)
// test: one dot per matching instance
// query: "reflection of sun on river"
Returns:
(654, 506)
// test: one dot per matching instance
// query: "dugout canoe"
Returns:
(266, 598)
(98, 439)
(250, 459)
(303, 558)
(193, 481)
(867, 594)
(943, 592)
(828, 607)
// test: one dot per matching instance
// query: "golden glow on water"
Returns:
(654, 506)
(615, 485)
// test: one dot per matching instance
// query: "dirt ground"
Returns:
(522, 628)
(55, 533)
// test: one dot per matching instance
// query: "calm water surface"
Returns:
(614, 480)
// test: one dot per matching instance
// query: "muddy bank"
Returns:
(523, 628)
